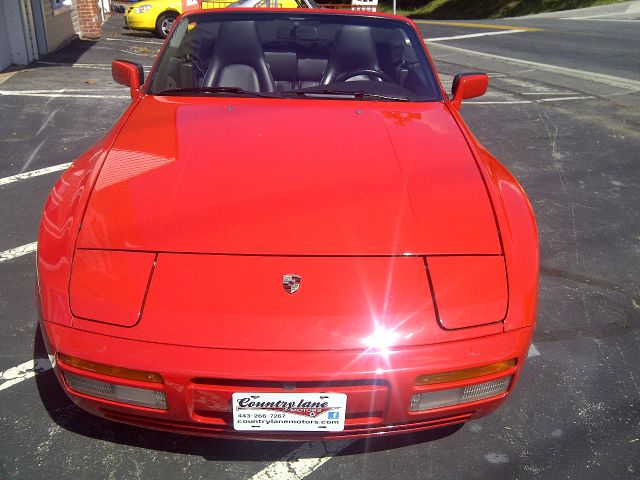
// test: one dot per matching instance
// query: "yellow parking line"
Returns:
(6, 76)
(478, 25)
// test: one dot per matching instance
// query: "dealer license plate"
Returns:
(305, 412)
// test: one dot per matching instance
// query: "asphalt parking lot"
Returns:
(562, 113)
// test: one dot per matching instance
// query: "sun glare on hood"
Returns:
(381, 340)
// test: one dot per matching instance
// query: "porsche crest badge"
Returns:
(291, 282)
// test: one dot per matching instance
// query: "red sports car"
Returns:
(289, 234)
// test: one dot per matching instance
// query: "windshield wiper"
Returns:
(211, 90)
(351, 95)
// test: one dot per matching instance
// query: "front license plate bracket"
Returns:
(293, 412)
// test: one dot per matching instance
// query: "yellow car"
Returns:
(158, 15)
(153, 15)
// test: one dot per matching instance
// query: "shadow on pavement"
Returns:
(69, 54)
(102, 52)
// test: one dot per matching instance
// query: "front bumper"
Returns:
(198, 382)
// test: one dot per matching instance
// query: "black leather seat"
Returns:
(238, 59)
(283, 67)
(354, 50)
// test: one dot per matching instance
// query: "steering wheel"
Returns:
(381, 76)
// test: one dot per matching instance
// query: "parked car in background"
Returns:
(153, 16)
(158, 15)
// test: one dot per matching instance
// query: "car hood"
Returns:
(290, 177)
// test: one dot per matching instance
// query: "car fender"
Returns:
(61, 223)
(517, 229)
(175, 7)
(169, 9)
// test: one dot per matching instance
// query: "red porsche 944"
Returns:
(289, 234)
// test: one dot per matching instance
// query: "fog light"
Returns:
(119, 393)
(456, 396)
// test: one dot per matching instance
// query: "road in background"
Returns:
(606, 44)
(562, 114)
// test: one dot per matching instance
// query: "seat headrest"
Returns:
(354, 49)
(238, 42)
(307, 34)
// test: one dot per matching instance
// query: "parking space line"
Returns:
(562, 99)
(131, 52)
(45, 123)
(533, 351)
(34, 152)
(18, 251)
(22, 372)
(500, 102)
(548, 93)
(95, 66)
(626, 20)
(34, 173)
(302, 461)
(52, 98)
(588, 17)
(519, 102)
(473, 35)
(133, 41)
(55, 94)
(64, 90)
(477, 25)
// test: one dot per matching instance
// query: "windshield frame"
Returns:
(419, 46)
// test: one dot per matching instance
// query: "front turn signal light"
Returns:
(109, 370)
(465, 374)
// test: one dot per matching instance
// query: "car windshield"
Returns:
(310, 55)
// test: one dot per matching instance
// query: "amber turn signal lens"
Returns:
(464, 374)
(109, 370)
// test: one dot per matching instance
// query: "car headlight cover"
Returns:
(142, 8)
(110, 286)
(469, 291)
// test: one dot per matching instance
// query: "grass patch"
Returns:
(479, 9)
